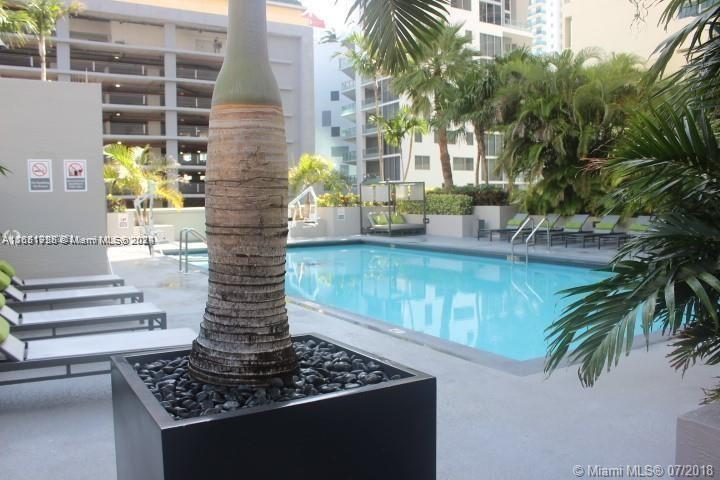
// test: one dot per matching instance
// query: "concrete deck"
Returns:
(491, 424)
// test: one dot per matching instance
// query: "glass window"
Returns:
(326, 118)
(339, 151)
(470, 138)
(463, 163)
(334, 96)
(491, 13)
(335, 132)
(490, 45)
(493, 144)
(464, 4)
(422, 162)
(418, 137)
(693, 8)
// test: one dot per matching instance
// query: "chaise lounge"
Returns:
(381, 224)
(59, 282)
(603, 230)
(512, 226)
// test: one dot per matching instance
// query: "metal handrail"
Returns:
(519, 230)
(185, 250)
(532, 237)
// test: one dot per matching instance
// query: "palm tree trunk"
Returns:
(482, 161)
(410, 150)
(43, 58)
(445, 159)
(244, 337)
(376, 89)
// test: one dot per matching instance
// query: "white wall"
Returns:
(57, 121)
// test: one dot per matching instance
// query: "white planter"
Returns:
(698, 438)
(340, 221)
(307, 230)
(447, 225)
(121, 224)
(494, 216)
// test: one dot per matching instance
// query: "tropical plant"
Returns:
(397, 128)
(14, 24)
(44, 15)
(429, 81)
(365, 62)
(473, 101)
(558, 111)
(438, 204)
(315, 169)
(135, 171)
(338, 199)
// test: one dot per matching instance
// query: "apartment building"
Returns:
(157, 61)
(494, 27)
(545, 20)
(619, 26)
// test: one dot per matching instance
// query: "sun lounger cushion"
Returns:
(397, 219)
(605, 226)
(573, 224)
(639, 227)
(5, 281)
(2, 300)
(380, 219)
(514, 222)
(4, 329)
(7, 269)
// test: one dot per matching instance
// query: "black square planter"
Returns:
(377, 432)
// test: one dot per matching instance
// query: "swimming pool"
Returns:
(484, 303)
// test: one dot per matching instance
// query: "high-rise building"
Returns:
(494, 28)
(545, 20)
(157, 61)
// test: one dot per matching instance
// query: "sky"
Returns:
(333, 12)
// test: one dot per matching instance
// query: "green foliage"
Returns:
(315, 169)
(439, 204)
(397, 128)
(479, 194)
(44, 14)
(14, 24)
(337, 199)
(559, 111)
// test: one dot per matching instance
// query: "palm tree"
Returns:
(14, 24)
(366, 64)
(474, 101)
(315, 169)
(429, 81)
(44, 15)
(244, 336)
(397, 128)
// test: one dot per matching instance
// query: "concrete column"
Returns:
(359, 135)
(63, 48)
(171, 117)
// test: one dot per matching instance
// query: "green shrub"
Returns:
(338, 200)
(481, 194)
(439, 204)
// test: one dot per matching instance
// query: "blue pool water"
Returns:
(481, 302)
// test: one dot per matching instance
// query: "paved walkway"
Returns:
(491, 424)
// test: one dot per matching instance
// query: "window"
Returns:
(490, 45)
(326, 118)
(470, 138)
(422, 162)
(339, 151)
(418, 137)
(568, 32)
(692, 8)
(464, 4)
(335, 96)
(335, 132)
(491, 13)
(463, 163)
(451, 137)
(469, 35)
(493, 144)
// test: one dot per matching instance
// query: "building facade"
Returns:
(157, 61)
(545, 20)
(494, 27)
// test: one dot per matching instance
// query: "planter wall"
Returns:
(494, 216)
(698, 438)
(448, 225)
(192, 217)
(340, 221)
(121, 224)
(308, 230)
(387, 431)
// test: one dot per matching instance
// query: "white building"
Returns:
(545, 19)
(495, 27)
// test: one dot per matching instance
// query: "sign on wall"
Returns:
(40, 175)
(75, 175)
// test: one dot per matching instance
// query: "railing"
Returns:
(197, 73)
(347, 85)
(193, 130)
(16, 60)
(117, 128)
(194, 102)
(185, 248)
(192, 188)
(192, 159)
(349, 132)
(121, 98)
(367, 129)
(519, 231)
(517, 24)
(119, 68)
(347, 110)
(532, 237)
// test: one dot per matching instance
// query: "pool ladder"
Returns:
(185, 247)
(533, 230)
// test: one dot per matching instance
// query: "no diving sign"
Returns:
(75, 175)
(40, 175)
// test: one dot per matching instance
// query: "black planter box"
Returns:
(385, 431)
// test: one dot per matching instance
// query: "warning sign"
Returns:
(40, 175)
(75, 175)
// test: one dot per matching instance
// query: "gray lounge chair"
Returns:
(638, 226)
(110, 315)
(605, 228)
(26, 284)
(512, 226)
(69, 352)
(571, 226)
(59, 297)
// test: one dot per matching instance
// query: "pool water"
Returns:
(485, 303)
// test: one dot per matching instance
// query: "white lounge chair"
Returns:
(59, 282)
(59, 297)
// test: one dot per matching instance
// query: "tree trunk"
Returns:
(482, 166)
(445, 159)
(43, 58)
(244, 337)
(410, 150)
(376, 89)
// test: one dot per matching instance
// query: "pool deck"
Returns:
(491, 423)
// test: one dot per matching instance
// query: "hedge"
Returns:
(439, 204)
(338, 200)
(481, 195)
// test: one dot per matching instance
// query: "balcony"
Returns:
(373, 152)
(192, 188)
(348, 110)
(349, 133)
(193, 160)
(193, 130)
(369, 129)
(121, 128)
(347, 85)
(197, 73)
(517, 25)
(194, 102)
(117, 68)
(122, 98)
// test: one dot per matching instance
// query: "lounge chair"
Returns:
(572, 225)
(604, 229)
(81, 350)
(59, 282)
(512, 226)
(111, 315)
(552, 225)
(396, 223)
(638, 226)
(58, 297)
